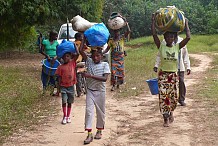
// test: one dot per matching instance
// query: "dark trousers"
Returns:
(182, 88)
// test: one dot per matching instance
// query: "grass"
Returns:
(141, 59)
(139, 64)
(21, 105)
(209, 89)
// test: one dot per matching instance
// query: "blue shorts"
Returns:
(67, 94)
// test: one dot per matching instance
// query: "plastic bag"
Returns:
(169, 19)
(64, 47)
(97, 35)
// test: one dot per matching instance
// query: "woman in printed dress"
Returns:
(167, 76)
(116, 44)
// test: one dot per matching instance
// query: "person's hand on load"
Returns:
(48, 58)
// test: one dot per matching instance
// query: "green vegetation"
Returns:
(141, 59)
(208, 90)
(22, 18)
(45, 15)
(21, 105)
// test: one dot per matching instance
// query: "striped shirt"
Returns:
(98, 70)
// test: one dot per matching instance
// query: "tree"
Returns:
(18, 17)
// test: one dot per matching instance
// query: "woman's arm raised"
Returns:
(188, 35)
(154, 33)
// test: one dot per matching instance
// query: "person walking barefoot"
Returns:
(167, 76)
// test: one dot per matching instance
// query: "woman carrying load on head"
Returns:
(116, 44)
(49, 51)
(167, 76)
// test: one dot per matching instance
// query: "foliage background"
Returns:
(20, 19)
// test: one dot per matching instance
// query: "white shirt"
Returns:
(183, 62)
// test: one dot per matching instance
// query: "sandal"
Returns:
(88, 139)
(98, 135)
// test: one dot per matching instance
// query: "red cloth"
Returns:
(67, 73)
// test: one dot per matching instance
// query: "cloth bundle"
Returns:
(80, 24)
(97, 35)
(169, 19)
(65, 47)
(116, 21)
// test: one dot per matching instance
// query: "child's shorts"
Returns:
(67, 94)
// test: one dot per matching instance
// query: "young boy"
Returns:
(67, 78)
(96, 77)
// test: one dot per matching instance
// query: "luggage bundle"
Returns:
(80, 24)
(169, 19)
(97, 34)
(64, 47)
(116, 21)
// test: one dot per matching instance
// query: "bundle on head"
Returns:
(97, 35)
(169, 19)
(80, 24)
(64, 47)
(116, 21)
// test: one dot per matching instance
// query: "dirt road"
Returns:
(135, 121)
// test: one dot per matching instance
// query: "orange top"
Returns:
(86, 48)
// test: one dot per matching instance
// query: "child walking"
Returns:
(96, 77)
(67, 78)
(167, 76)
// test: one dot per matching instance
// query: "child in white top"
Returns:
(96, 77)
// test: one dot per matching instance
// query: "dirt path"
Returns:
(135, 121)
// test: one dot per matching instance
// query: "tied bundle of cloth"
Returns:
(169, 19)
(116, 21)
(80, 24)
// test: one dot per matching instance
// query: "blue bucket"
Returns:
(50, 68)
(153, 86)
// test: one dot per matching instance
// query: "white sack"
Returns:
(80, 24)
(116, 23)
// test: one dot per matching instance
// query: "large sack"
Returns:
(80, 24)
(115, 21)
(97, 35)
(64, 47)
(169, 19)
